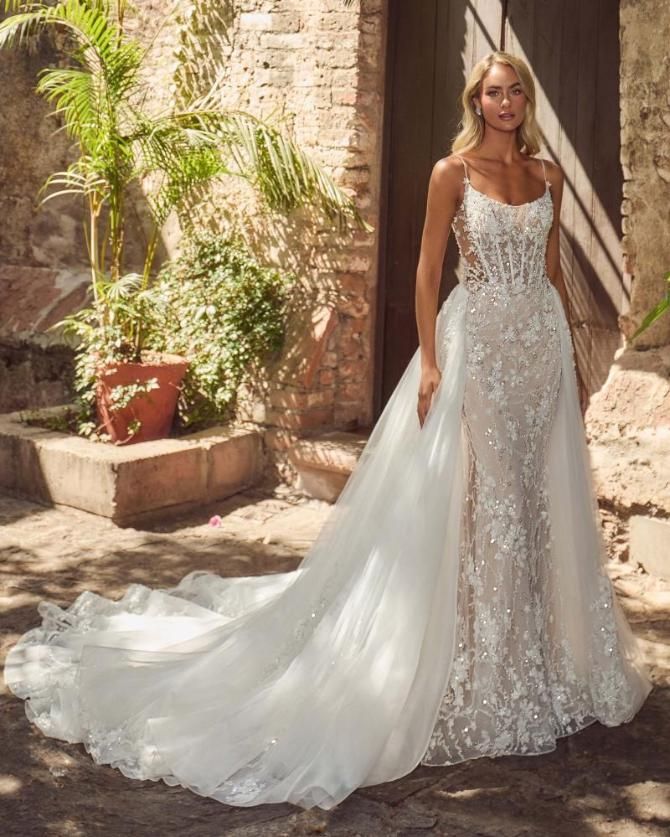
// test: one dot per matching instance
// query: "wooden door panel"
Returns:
(430, 45)
(573, 50)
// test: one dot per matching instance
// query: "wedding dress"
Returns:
(454, 605)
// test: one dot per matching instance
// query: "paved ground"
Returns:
(598, 782)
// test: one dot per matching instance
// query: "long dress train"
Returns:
(454, 605)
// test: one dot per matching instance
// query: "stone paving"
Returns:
(598, 782)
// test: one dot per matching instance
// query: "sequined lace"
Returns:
(513, 685)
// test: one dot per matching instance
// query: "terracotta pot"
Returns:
(154, 409)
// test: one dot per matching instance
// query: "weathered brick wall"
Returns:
(44, 270)
(31, 149)
(41, 248)
(317, 69)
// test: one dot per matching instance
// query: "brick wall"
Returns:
(317, 69)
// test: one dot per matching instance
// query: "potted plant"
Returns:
(124, 147)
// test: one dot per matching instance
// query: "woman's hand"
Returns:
(430, 380)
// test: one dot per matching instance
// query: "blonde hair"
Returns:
(471, 127)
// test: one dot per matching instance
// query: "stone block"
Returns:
(258, 21)
(34, 372)
(632, 471)
(324, 485)
(650, 544)
(628, 429)
(32, 299)
(125, 483)
(325, 462)
(231, 465)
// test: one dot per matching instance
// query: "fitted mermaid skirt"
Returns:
(454, 605)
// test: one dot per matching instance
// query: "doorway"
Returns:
(573, 50)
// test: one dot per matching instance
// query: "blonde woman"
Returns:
(455, 604)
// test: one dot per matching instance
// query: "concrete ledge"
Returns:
(325, 462)
(126, 483)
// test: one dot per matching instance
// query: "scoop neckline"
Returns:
(547, 184)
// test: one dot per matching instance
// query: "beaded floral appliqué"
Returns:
(514, 686)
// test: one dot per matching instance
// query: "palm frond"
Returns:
(80, 178)
(88, 24)
(100, 99)
(77, 100)
(283, 173)
(186, 173)
(657, 311)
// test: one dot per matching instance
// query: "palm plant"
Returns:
(102, 99)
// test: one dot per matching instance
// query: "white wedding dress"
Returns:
(454, 605)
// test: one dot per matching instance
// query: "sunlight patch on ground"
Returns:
(9, 785)
(649, 801)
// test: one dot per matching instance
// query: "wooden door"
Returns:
(573, 51)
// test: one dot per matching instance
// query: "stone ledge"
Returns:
(324, 462)
(127, 483)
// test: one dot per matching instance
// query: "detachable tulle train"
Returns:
(303, 686)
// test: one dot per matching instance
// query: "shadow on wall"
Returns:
(572, 48)
(327, 346)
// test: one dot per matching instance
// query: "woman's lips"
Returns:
(506, 116)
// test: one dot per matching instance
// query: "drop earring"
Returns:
(478, 111)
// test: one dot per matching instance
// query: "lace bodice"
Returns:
(502, 244)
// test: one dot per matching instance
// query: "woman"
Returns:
(455, 603)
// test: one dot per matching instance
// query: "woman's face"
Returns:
(502, 100)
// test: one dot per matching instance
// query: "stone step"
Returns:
(325, 461)
(127, 483)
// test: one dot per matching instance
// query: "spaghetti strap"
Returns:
(544, 175)
(465, 167)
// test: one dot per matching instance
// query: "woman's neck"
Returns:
(500, 146)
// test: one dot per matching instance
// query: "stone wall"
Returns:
(316, 70)
(42, 255)
(628, 420)
(50, 236)
(645, 158)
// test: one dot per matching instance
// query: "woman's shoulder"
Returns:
(555, 174)
(446, 180)
(452, 162)
(450, 168)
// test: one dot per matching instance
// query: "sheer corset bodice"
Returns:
(502, 246)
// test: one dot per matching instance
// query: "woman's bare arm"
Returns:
(556, 178)
(444, 195)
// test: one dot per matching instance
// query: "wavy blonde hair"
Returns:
(471, 127)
